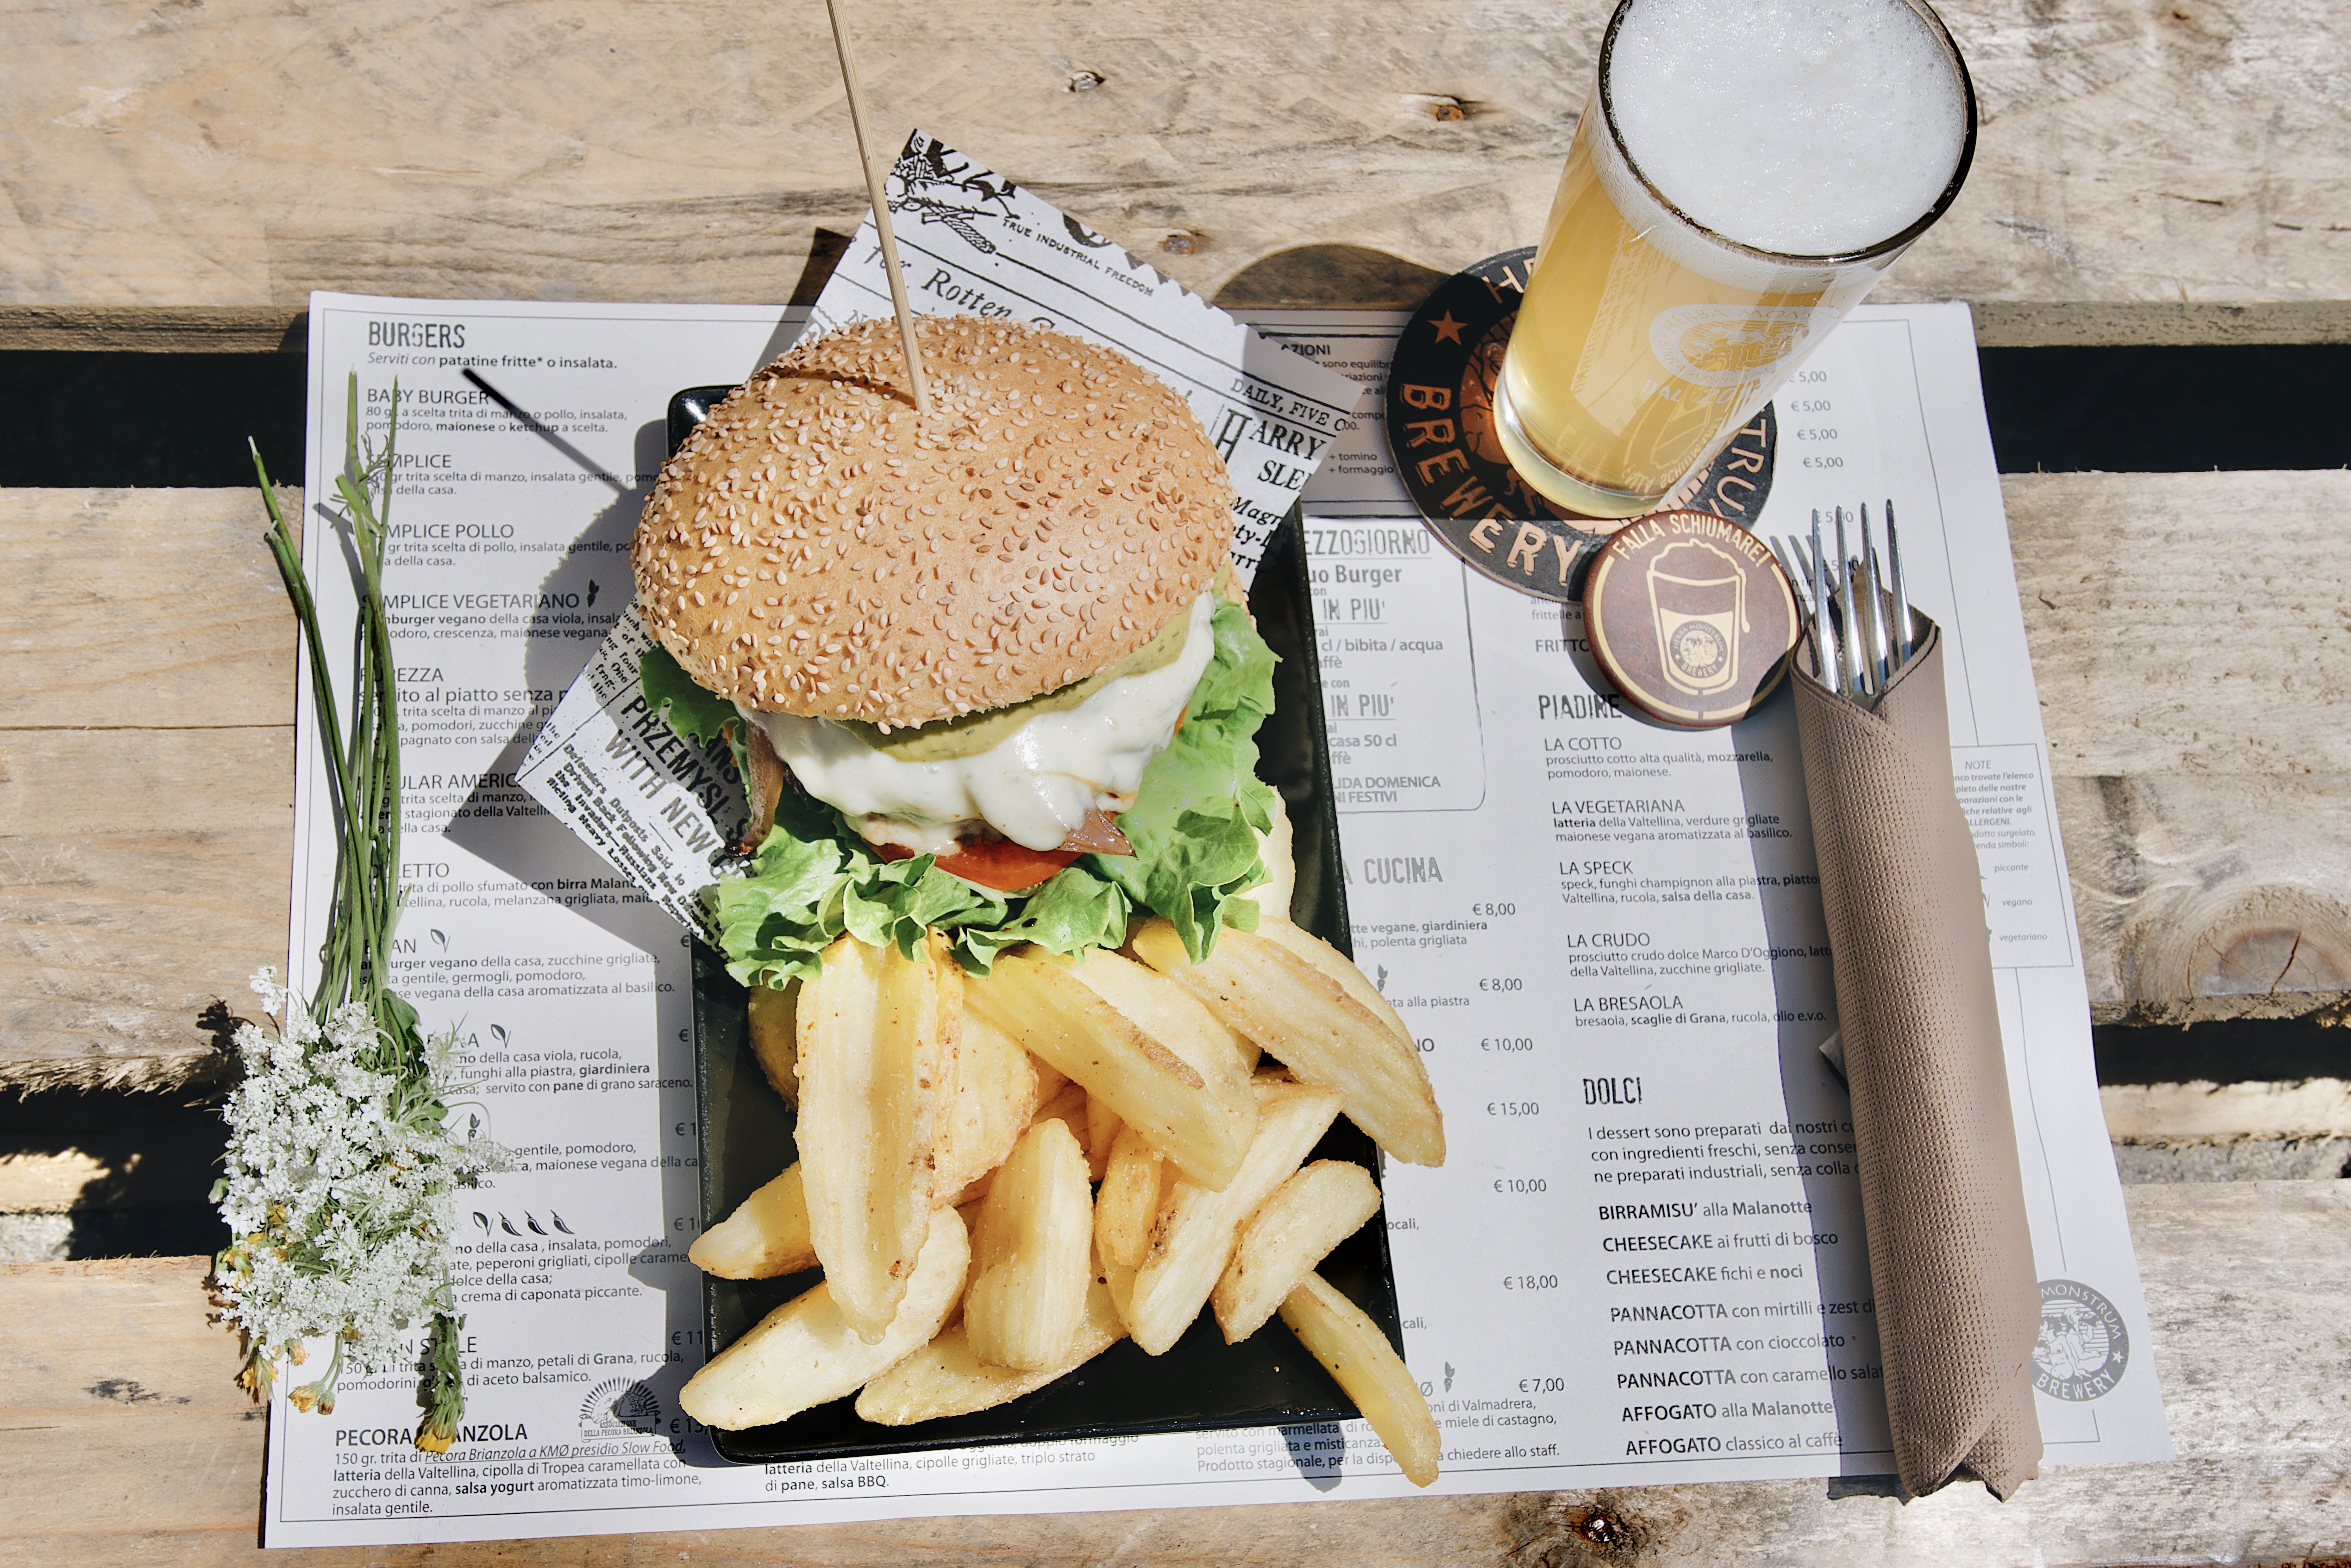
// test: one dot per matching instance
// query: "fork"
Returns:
(1853, 646)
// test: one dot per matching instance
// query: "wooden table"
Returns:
(179, 176)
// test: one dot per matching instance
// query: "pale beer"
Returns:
(1745, 171)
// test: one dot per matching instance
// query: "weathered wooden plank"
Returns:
(147, 876)
(142, 610)
(2205, 1112)
(1306, 278)
(113, 1392)
(2187, 634)
(156, 328)
(2192, 646)
(243, 153)
(145, 780)
(2217, 896)
(2013, 324)
(119, 1405)
(2190, 624)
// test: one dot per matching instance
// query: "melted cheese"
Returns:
(1034, 787)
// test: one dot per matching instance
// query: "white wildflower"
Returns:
(340, 1190)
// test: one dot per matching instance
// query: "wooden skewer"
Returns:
(875, 188)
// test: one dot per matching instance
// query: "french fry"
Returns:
(1290, 1234)
(1341, 969)
(877, 1040)
(1072, 1107)
(1200, 1118)
(998, 1089)
(1317, 1027)
(1103, 1127)
(775, 1038)
(1032, 1253)
(1174, 1016)
(806, 1351)
(1135, 1181)
(766, 1237)
(1050, 1080)
(1352, 1350)
(1067, 1106)
(1192, 1237)
(970, 1196)
(945, 1378)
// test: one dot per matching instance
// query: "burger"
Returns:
(984, 670)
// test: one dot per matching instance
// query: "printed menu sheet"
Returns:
(1607, 937)
(1643, 1260)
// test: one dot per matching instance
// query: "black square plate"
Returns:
(1201, 1383)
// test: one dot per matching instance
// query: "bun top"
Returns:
(815, 549)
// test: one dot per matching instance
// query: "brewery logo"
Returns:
(1691, 616)
(619, 1408)
(2083, 1347)
(1735, 345)
(1440, 426)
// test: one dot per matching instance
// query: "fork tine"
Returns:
(1827, 657)
(1880, 642)
(1901, 591)
(1856, 668)
(1881, 634)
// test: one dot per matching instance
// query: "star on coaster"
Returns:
(1448, 329)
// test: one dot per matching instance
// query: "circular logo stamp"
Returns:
(1440, 426)
(619, 1408)
(2084, 1346)
(1691, 616)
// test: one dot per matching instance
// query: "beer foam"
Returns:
(1803, 127)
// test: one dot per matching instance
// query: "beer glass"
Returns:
(1647, 339)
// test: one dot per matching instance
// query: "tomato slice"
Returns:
(997, 864)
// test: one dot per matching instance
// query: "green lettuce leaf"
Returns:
(814, 878)
(1192, 822)
(700, 715)
(1193, 825)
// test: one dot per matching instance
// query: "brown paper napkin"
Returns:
(1950, 1255)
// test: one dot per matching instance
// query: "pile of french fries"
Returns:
(1001, 1177)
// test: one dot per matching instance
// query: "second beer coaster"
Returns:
(1691, 617)
(1441, 429)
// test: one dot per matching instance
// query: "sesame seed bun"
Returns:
(815, 549)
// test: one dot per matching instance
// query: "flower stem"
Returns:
(444, 1387)
(362, 777)
(362, 767)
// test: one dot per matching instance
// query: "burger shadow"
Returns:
(579, 599)
(585, 590)
(1813, 1130)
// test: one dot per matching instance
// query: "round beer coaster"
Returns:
(1440, 427)
(1691, 616)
